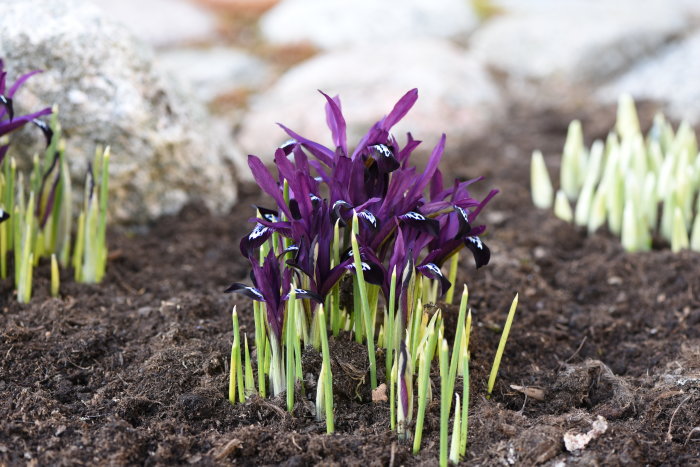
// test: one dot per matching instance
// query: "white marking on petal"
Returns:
(257, 232)
(383, 150)
(255, 292)
(476, 241)
(340, 202)
(434, 269)
(369, 216)
(414, 215)
(288, 143)
(464, 213)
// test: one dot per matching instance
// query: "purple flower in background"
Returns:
(10, 122)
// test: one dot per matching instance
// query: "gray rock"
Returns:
(328, 24)
(212, 72)
(164, 152)
(670, 77)
(162, 22)
(576, 41)
(456, 95)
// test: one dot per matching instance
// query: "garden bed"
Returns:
(135, 371)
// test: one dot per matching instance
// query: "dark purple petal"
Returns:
(334, 276)
(266, 182)
(303, 293)
(7, 127)
(481, 252)
(400, 109)
(464, 225)
(268, 214)
(432, 271)
(406, 151)
(430, 169)
(254, 239)
(7, 104)
(336, 122)
(288, 146)
(246, 290)
(369, 219)
(421, 223)
(290, 249)
(384, 157)
(372, 272)
(3, 152)
(436, 187)
(22, 79)
(481, 205)
(45, 129)
(321, 152)
(406, 289)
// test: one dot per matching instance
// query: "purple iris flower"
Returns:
(10, 122)
(400, 224)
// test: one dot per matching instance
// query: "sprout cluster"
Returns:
(365, 220)
(36, 211)
(640, 186)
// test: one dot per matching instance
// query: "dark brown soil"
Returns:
(134, 371)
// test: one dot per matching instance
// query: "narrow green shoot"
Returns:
(679, 235)
(240, 383)
(464, 430)
(392, 381)
(457, 346)
(290, 338)
(456, 437)
(540, 183)
(335, 292)
(101, 248)
(55, 276)
(78, 249)
(366, 312)
(235, 361)
(4, 245)
(562, 207)
(260, 345)
(249, 379)
(26, 257)
(390, 344)
(326, 375)
(502, 344)
(454, 264)
(445, 400)
(426, 357)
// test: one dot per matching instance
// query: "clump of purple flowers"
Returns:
(399, 222)
(409, 222)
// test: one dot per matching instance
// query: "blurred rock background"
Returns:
(184, 89)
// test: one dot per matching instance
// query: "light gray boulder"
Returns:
(213, 72)
(162, 23)
(456, 95)
(164, 150)
(576, 41)
(329, 24)
(670, 77)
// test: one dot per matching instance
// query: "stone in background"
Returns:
(162, 23)
(456, 95)
(165, 152)
(330, 24)
(672, 77)
(578, 42)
